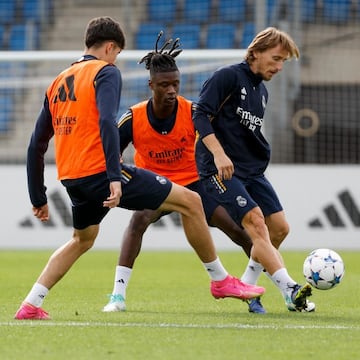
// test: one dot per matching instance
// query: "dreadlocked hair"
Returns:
(163, 59)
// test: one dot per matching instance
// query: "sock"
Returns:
(216, 270)
(37, 295)
(270, 277)
(252, 272)
(121, 281)
(283, 281)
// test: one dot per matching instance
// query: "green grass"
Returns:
(171, 314)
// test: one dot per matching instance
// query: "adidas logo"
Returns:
(58, 205)
(336, 215)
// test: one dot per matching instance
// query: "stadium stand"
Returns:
(7, 12)
(308, 11)
(336, 11)
(23, 37)
(197, 11)
(2, 38)
(248, 33)
(221, 36)
(232, 10)
(146, 35)
(162, 11)
(7, 107)
(189, 35)
(39, 11)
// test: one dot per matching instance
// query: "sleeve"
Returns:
(213, 93)
(125, 130)
(108, 94)
(37, 148)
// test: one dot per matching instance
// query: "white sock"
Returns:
(270, 277)
(252, 272)
(216, 270)
(37, 295)
(121, 281)
(283, 281)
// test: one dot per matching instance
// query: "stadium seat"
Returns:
(248, 34)
(232, 10)
(197, 11)
(6, 110)
(221, 36)
(7, 12)
(36, 10)
(199, 79)
(162, 10)
(336, 11)
(272, 9)
(146, 35)
(2, 38)
(305, 9)
(23, 37)
(308, 10)
(189, 35)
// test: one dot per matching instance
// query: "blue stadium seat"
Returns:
(146, 36)
(7, 11)
(221, 36)
(36, 10)
(308, 10)
(272, 7)
(24, 37)
(189, 35)
(6, 110)
(199, 79)
(336, 11)
(248, 33)
(232, 10)
(2, 38)
(197, 11)
(162, 10)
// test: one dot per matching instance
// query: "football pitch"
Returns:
(171, 314)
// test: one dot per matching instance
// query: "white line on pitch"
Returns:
(169, 325)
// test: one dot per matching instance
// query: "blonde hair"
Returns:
(268, 39)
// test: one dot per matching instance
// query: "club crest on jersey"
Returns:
(242, 202)
(161, 179)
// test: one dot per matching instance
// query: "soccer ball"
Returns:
(323, 269)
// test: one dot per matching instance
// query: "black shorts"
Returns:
(209, 204)
(141, 189)
(239, 196)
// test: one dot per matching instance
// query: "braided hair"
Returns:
(163, 59)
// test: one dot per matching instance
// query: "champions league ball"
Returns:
(323, 269)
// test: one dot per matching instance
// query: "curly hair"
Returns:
(163, 59)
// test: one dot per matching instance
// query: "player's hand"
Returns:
(41, 212)
(115, 194)
(224, 166)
